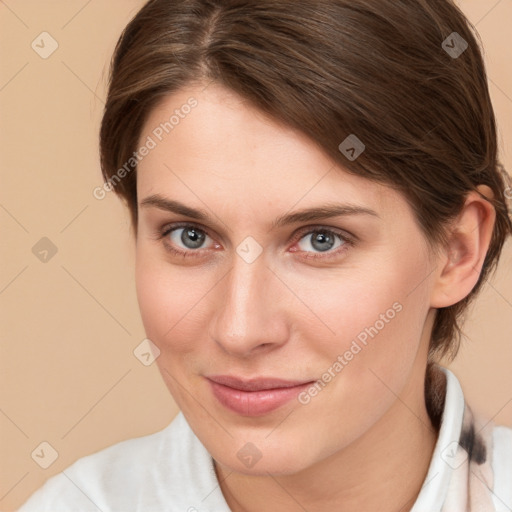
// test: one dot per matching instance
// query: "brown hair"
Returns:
(390, 72)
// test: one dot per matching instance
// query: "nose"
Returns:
(251, 314)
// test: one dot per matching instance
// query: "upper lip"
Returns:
(255, 384)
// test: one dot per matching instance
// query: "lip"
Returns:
(254, 397)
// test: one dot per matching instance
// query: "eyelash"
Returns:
(348, 241)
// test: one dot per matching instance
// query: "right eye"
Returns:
(184, 239)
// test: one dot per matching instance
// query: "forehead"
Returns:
(223, 148)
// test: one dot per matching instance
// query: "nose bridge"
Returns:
(247, 315)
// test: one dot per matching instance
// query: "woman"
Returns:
(316, 198)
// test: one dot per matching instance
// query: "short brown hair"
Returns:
(406, 77)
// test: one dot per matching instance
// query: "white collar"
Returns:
(435, 487)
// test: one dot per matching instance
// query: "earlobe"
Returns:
(461, 261)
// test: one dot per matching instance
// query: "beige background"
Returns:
(69, 326)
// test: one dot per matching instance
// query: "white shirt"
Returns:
(171, 471)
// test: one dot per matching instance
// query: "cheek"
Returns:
(375, 304)
(154, 294)
(171, 300)
(376, 317)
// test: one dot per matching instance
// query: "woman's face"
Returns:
(340, 300)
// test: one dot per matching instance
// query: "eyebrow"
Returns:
(306, 215)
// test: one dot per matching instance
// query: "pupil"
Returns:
(320, 240)
(192, 238)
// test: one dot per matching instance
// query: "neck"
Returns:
(383, 470)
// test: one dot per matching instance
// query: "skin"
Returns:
(287, 316)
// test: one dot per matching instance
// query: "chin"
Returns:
(260, 458)
(274, 465)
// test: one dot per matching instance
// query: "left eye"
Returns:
(321, 240)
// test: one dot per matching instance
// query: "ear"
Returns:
(461, 261)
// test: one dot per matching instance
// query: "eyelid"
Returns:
(171, 225)
(343, 234)
(167, 228)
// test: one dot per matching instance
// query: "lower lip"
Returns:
(255, 403)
